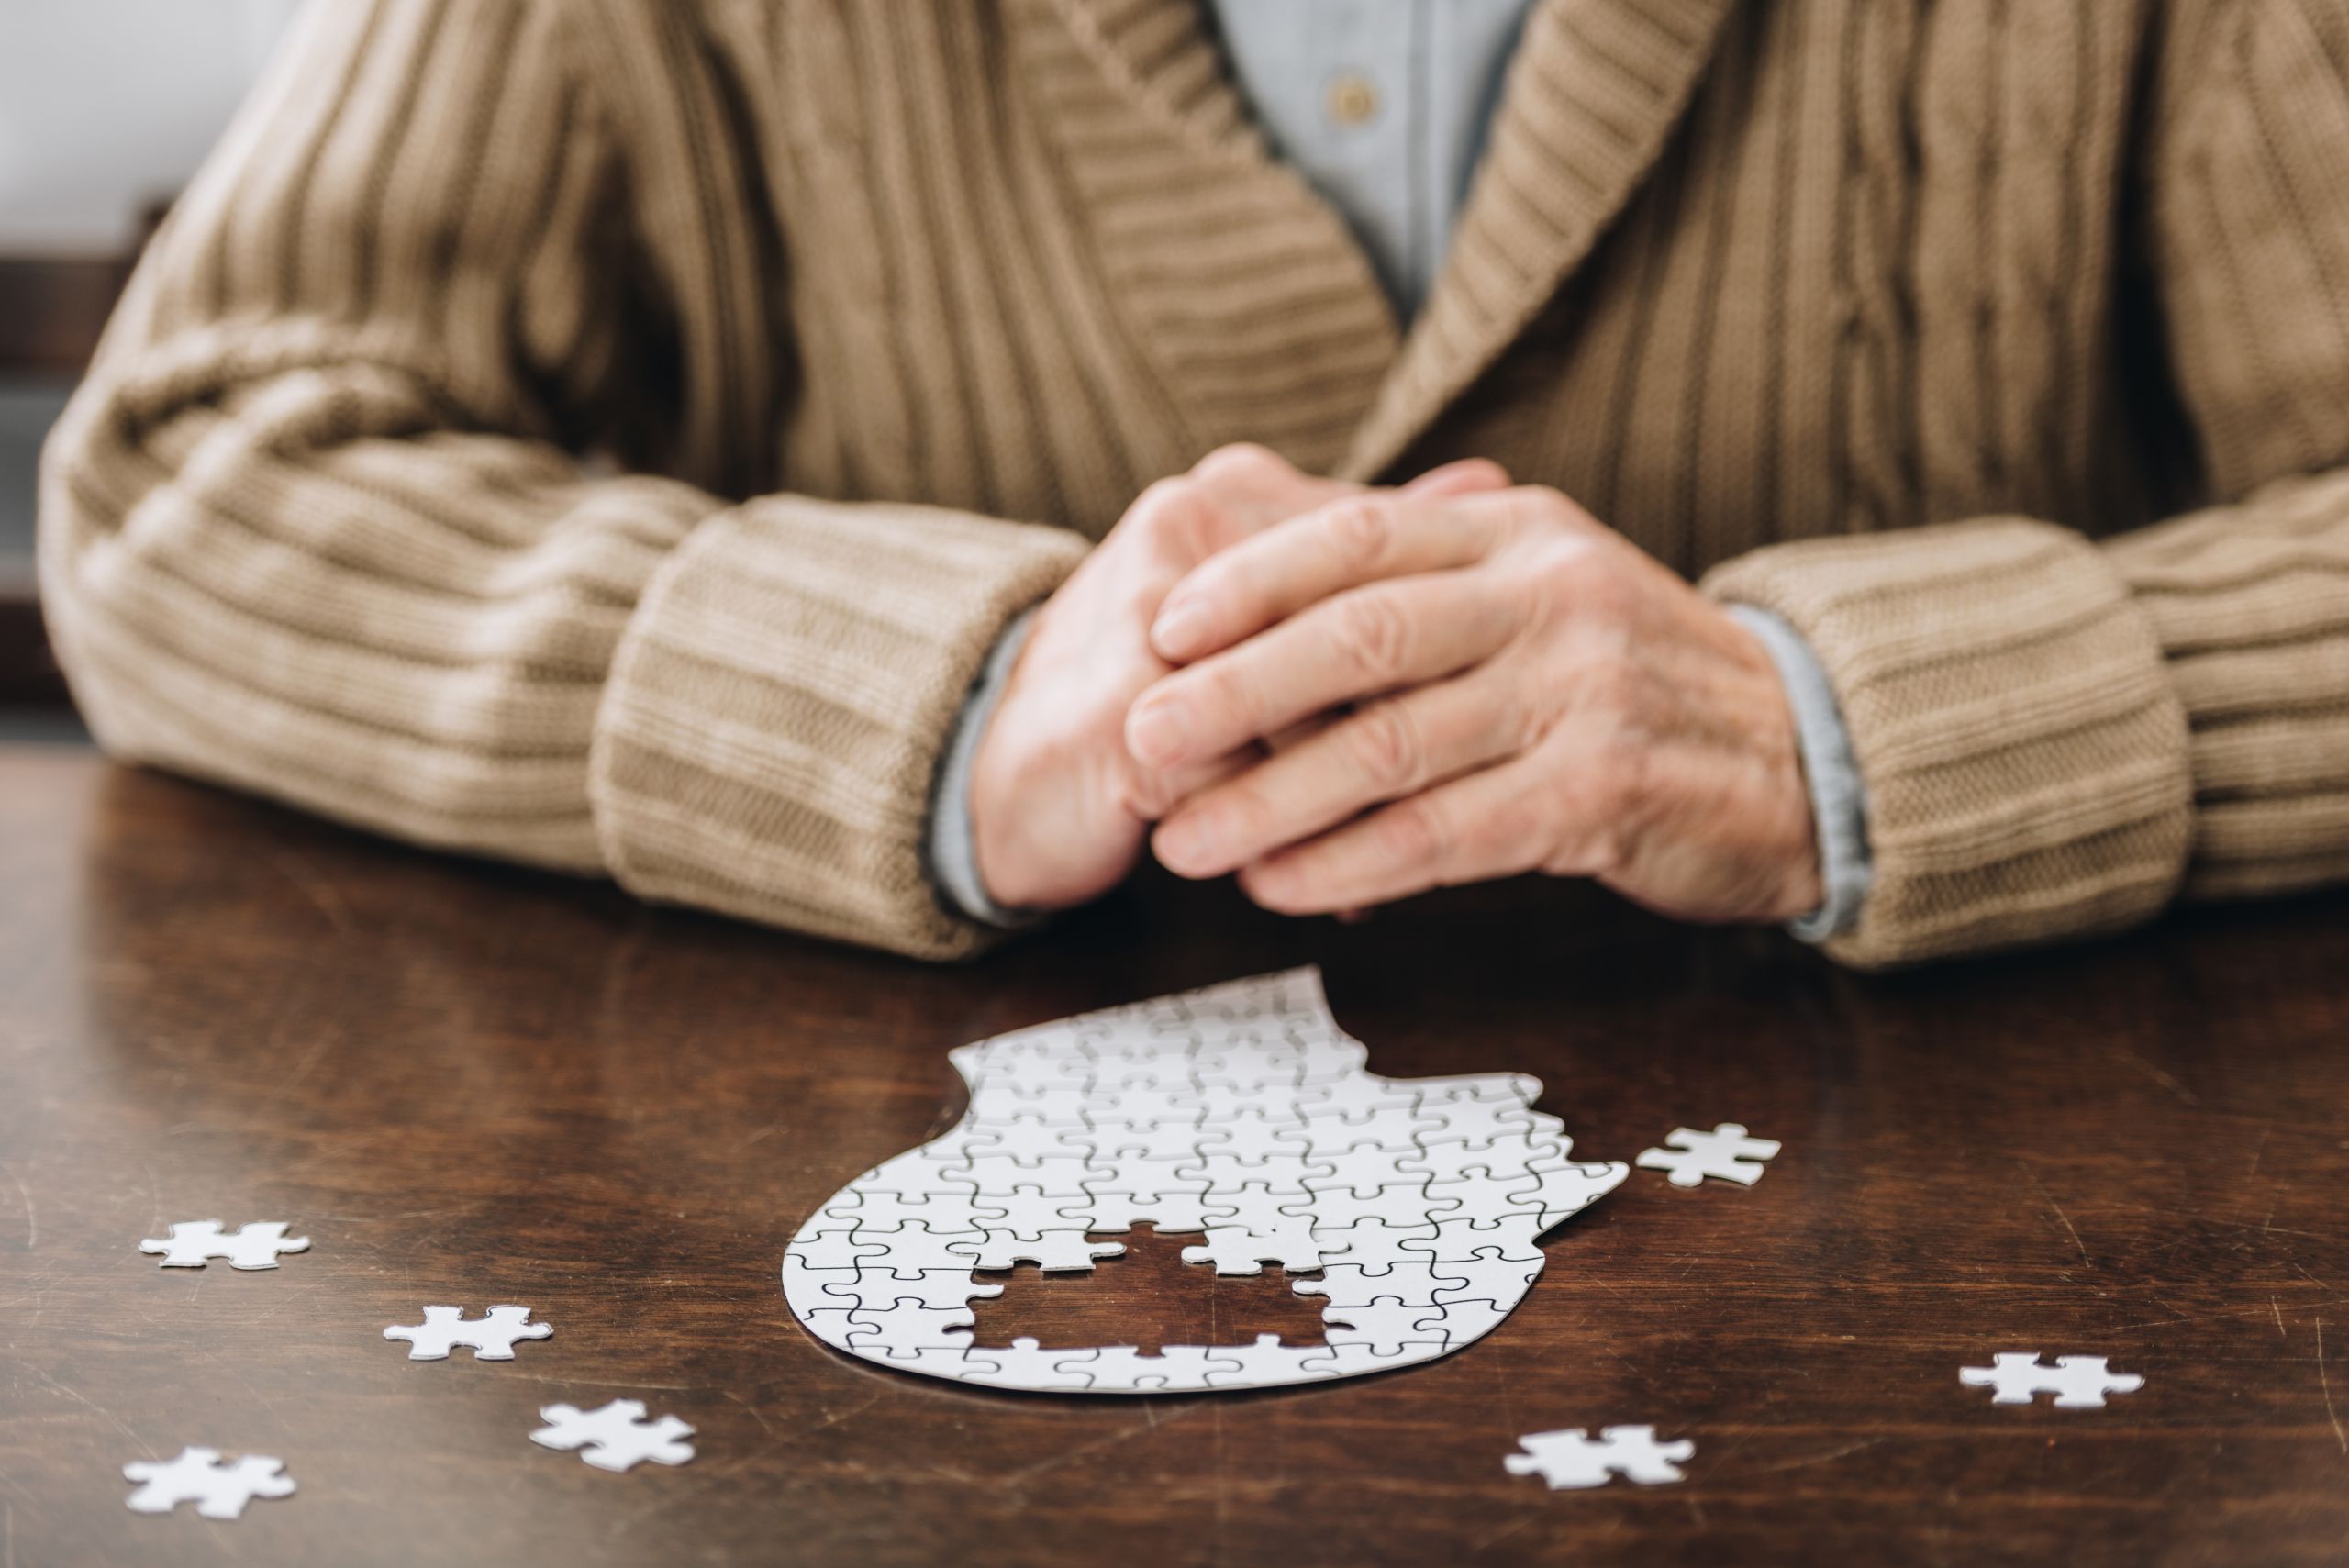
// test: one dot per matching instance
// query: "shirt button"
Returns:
(1353, 100)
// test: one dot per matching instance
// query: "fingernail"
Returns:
(1181, 627)
(1185, 844)
(1156, 733)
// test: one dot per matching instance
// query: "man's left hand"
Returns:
(1502, 685)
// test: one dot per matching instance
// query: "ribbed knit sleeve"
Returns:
(2057, 735)
(2022, 746)
(317, 525)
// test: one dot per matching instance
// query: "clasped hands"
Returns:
(1346, 695)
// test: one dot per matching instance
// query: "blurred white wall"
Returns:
(106, 105)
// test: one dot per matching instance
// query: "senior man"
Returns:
(663, 440)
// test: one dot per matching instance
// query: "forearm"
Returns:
(2250, 607)
(313, 526)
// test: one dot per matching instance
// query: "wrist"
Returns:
(965, 813)
(1841, 866)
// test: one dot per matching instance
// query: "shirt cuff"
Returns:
(953, 847)
(1838, 801)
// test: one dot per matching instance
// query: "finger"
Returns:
(1255, 487)
(1384, 752)
(1151, 793)
(1357, 645)
(1481, 826)
(1303, 729)
(1343, 544)
(1463, 477)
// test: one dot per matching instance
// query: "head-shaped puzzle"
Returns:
(1242, 1112)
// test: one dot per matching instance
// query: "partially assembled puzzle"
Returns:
(1241, 1112)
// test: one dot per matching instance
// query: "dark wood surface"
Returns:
(476, 1085)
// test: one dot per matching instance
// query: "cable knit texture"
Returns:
(610, 435)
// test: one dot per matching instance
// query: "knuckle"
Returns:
(1228, 693)
(1239, 463)
(1615, 800)
(1372, 635)
(1245, 813)
(1386, 747)
(1170, 512)
(1361, 531)
(1612, 686)
(1414, 833)
(1549, 509)
(1581, 583)
(1510, 835)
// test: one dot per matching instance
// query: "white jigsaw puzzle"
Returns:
(1572, 1459)
(218, 1491)
(492, 1336)
(193, 1241)
(2078, 1382)
(615, 1437)
(1726, 1152)
(1241, 1113)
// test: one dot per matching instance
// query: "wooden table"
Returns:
(469, 1084)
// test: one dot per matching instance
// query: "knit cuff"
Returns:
(2023, 753)
(774, 716)
(952, 841)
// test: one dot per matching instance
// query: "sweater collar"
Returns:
(1591, 99)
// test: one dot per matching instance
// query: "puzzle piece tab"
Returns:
(218, 1491)
(2078, 1382)
(194, 1241)
(615, 1437)
(1725, 1152)
(492, 1336)
(1571, 1458)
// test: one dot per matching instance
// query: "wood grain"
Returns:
(469, 1084)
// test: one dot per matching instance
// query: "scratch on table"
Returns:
(1810, 1459)
(32, 1219)
(1510, 1529)
(2069, 1227)
(848, 1415)
(1018, 1476)
(2325, 1383)
(312, 886)
(753, 1409)
(2278, 1310)
(246, 1383)
(79, 1397)
(2156, 1075)
(1222, 1490)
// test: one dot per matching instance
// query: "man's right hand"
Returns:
(1058, 807)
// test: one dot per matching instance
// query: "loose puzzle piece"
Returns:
(193, 1241)
(1571, 1458)
(1240, 1113)
(2078, 1382)
(218, 1491)
(1726, 1152)
(616, 1436)
(492, 1336)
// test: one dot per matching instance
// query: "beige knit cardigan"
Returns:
(586, 431)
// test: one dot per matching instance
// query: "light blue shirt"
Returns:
(1383, 106)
